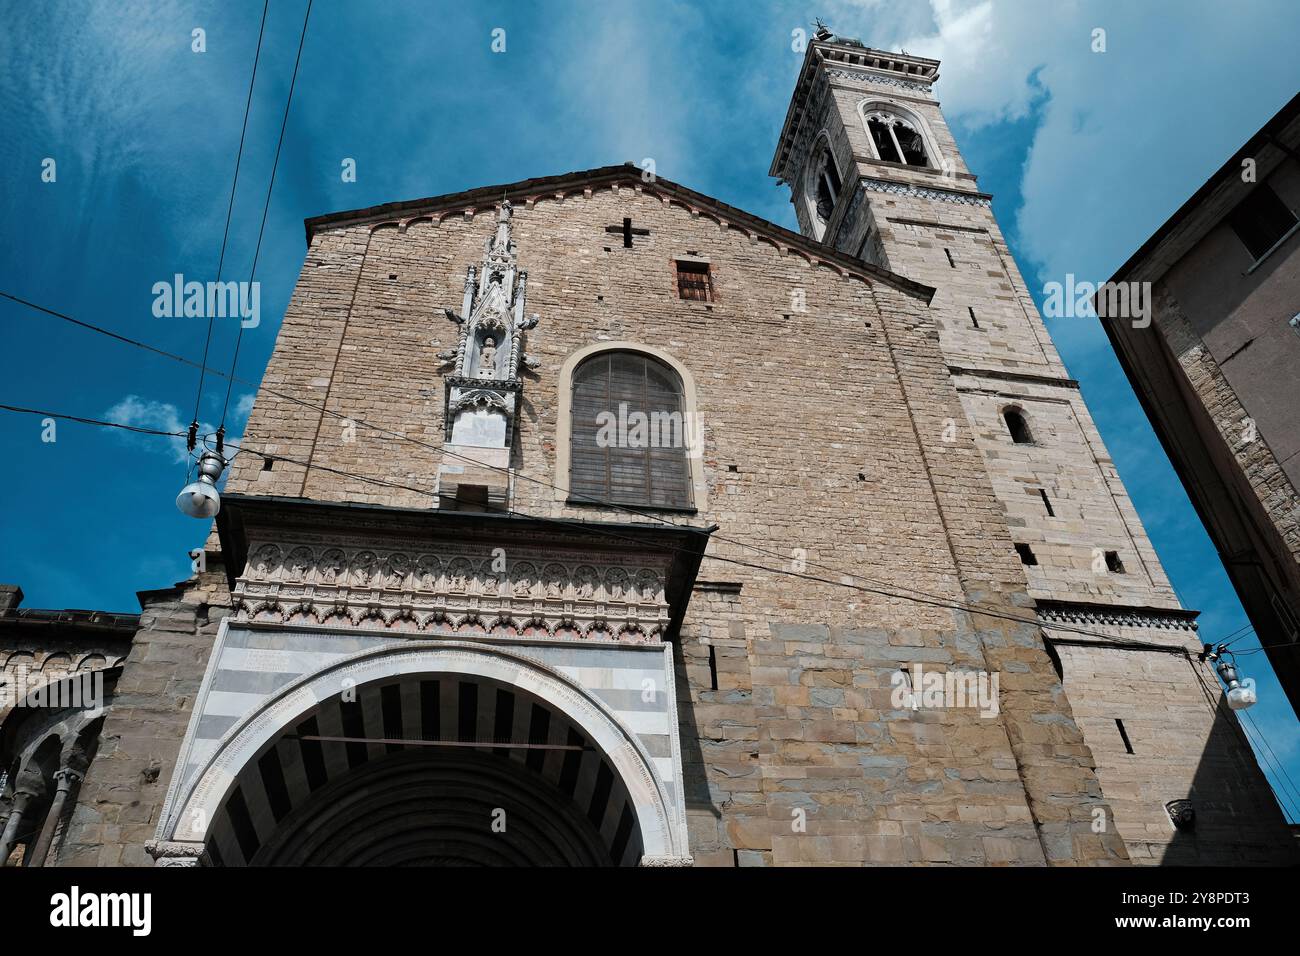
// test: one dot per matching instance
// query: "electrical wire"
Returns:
(924, 597)
(92, 421)
(1216, 704)
(230, 381)
(398, 435)
(932, 599)
(1270, 758)
(230, 207)
(1294, 791)
(947, 604)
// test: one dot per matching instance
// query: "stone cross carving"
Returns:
(627, 231)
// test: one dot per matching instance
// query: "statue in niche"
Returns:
(554, 578)
(300, 562)
(487, 359)
(397, 567)
(616, 583)
(585, 582)
(268, 559)
(363, 566)
(429, 569)
(459, 573)
(332, 563)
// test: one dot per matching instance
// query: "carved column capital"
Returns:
(658, 861)
(176, 853)
(66, 778)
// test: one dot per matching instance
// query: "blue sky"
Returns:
(1086, 154)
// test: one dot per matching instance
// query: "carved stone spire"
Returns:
(484, 387)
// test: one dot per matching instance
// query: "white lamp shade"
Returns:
(199, 499)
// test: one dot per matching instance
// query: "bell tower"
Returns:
(875, 172)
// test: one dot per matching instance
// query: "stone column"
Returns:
(22, 800)
(66, 779)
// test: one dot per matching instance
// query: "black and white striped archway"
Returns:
(453, 753)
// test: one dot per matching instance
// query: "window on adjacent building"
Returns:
(1027, 555)
(694, 281)
(1017, 426)
(896, 140)
(629, 433)
(1261, 220)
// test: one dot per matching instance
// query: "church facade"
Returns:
(590, 520)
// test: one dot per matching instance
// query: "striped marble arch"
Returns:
(432, 753)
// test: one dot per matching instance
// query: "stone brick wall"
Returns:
(1185, 743)
(933, 226)
(833, 421)
(118, 805)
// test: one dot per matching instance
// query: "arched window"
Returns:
(1017, 426)
(629, 433)
(896, 140)
(822, 185)
(828, 185)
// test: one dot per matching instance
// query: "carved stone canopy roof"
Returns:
(247, 519)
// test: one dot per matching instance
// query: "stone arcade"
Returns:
(443, 621)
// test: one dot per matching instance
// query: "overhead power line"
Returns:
(925, 597)
(284, 121)
(230, 206)
(398, 435)
(929, 600)
(1266, 754)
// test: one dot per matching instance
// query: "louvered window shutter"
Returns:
(644, 467)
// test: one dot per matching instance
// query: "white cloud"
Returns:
(162, 416)
(1124, 136)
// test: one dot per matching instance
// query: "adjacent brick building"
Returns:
(448, 618)
(1214, 366)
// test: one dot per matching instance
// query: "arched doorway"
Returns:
(443, 753)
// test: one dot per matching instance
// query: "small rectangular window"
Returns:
(1261, 220)
(1047, 503)
(948, 253)
(1290, 629)
(1026, 554)
(1113, 564)
(694, 282)
(973, 321)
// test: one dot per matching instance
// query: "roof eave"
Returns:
(1266, 135)
(488, 197)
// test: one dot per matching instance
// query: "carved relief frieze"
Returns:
(520, 591)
